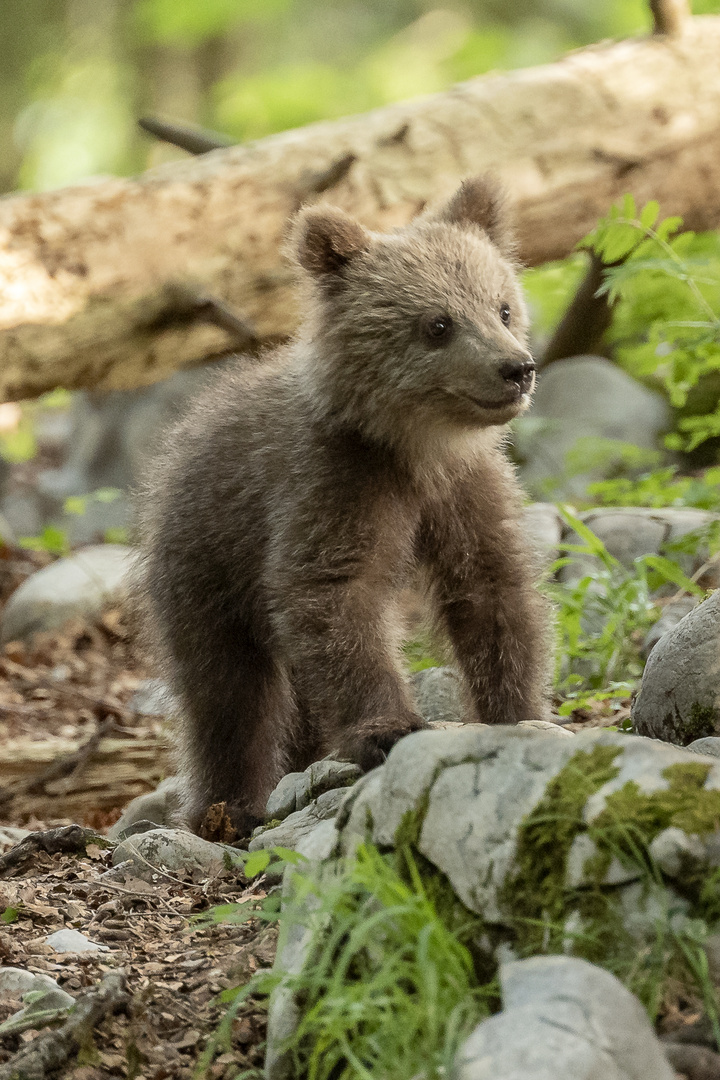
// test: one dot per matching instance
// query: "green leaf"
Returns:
(10, 914)
(650, 213)
(75, 504)
(256, 863)
(287, 855)
(671, 572)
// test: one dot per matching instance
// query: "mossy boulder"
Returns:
(547, 838)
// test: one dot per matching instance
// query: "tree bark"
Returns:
(106, 284)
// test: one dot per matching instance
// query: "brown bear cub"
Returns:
(299, 497)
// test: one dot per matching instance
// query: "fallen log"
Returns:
(118, 770)
(118, 282)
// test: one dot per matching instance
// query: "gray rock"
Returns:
(585, 397)
(72, 941)
(675, 852)
(439, 695)
(16, 982)
(549, 727)
(679, 699)
(167, 852)
(466, 792)
(161, 806)
(460, 796)
(290, 832)
(22, 513)
(563, 1019)
(80, 585)
(49, 1001)
(297, 789)
(710, 745)
(544, 529)
(295, 939)
(672, 613)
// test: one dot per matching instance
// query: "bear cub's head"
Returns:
(424, 325)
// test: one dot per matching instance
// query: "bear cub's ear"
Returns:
(327, 239)
(481, 201)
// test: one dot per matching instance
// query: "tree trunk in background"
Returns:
(103, 284)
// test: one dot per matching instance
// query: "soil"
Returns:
(69, 684)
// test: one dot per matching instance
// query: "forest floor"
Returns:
(70, 685)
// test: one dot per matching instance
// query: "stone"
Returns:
(439, 695)
(463, 794)
(16, 982)
(563, 1019)
(81, 585)
(675, 852)
(709, 745)
(112, 436)
(580, 399)
(672, 613)
(297, 789)
(49, 1001)
(679, 698)
(290, 832)
(72, 941)
(166, 852)
(461, 797)
(548, 726)
(161, 806)
(544, 529)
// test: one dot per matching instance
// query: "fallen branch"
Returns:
(194, 140)
(52, 1049)
(68, 838)
(107, 284)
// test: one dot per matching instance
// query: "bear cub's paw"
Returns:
(369, 745)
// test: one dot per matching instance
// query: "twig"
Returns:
(185, 304)
(68, 838)
(696, 576)
(315, 183)
(52, 1049)
(194, 140)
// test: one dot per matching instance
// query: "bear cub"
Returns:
(301, 495)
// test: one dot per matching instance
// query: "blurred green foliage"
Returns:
(76, 74)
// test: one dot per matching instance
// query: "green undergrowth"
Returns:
(603, 614)
(391, 985)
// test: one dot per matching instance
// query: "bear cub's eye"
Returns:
(438, 328)
(505, 313)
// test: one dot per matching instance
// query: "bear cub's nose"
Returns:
(519, 372)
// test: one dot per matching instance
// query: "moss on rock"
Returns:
(535, 897)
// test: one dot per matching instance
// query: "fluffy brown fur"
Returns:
(299, 497)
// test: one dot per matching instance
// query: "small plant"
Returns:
(667, 320)
(389, 986)
(603, 616)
